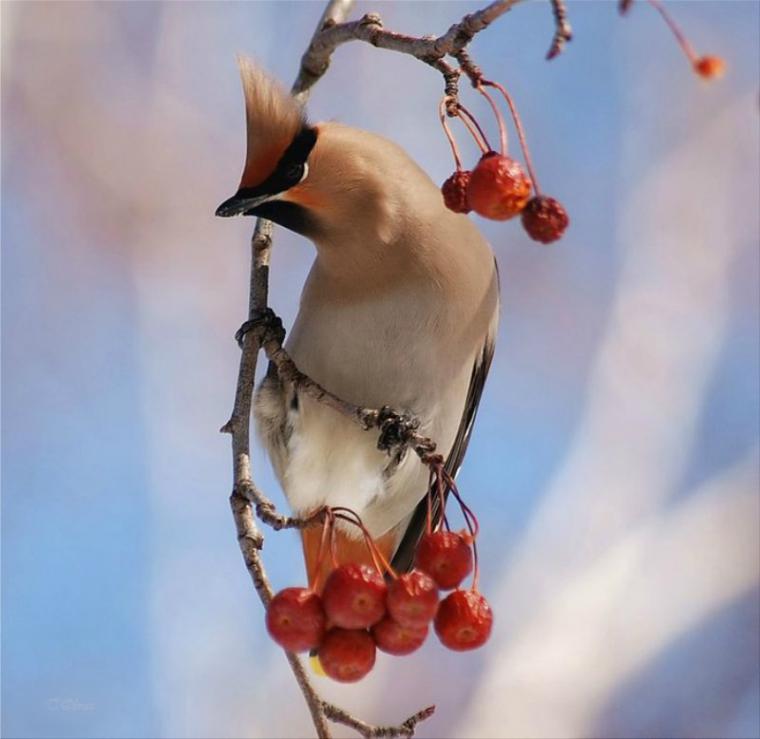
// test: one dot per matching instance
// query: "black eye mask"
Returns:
(289, 170)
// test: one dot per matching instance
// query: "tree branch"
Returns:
(563, 33)
(428, 49)
(249, 537)
(251, 541)
(339, 716)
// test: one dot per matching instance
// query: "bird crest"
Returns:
(273, 119)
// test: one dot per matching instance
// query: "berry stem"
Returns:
(470, 518)
(378, 559)
(475, 567)
(449, 135)
(499, 118)
(429, 525)
(520, 130)
(437, 472)
(683, 42)
(367, 539)
(333, 555)
(326, 532)
(472, 126)
(473, 526)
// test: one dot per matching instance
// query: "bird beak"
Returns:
(241, 203)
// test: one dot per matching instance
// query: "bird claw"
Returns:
(396, 429)
(267, 324)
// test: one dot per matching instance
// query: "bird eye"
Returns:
(295, 173)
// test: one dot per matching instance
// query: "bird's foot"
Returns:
(396, 429)
(267, 325)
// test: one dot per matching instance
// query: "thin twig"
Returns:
(468, 66)
(251, 541)
(245, 495)
(249, 537)
(366, 730)
(428, 49)
(562, 33)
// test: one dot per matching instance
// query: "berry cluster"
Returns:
(498, 187)
(359, 611)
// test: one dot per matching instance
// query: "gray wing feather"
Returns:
(404, 556)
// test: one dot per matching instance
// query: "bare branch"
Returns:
(335, 12)
(468, 66)
(366, 730)
(266, 511)
(428, 49)
(251, 541)
(563, 32)
(245, 495)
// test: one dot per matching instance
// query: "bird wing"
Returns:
(404, 556)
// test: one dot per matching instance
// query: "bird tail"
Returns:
(347, 549)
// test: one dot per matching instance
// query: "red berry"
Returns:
(498, 187)
(347, 655)
(455, 191)
(544, 219)
(354, 596)
(446, 557)
(296, 619)
(710, 67)
(413, 599)
(464, 620)
(393, 638)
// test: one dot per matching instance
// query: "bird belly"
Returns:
(333, 462)
(373, 354)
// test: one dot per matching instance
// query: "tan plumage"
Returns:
(400, 309)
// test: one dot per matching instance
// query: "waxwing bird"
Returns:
(400, 309)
